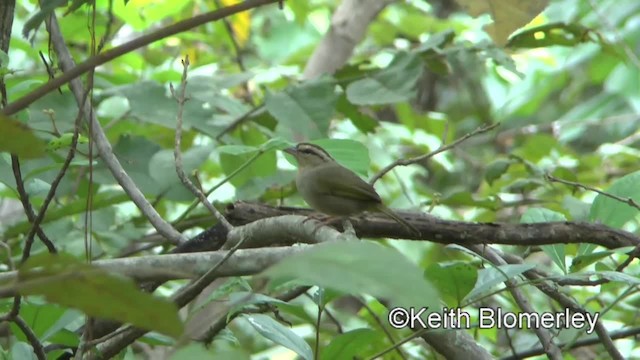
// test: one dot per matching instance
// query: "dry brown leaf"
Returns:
(508, 15)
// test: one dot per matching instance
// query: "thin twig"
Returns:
(26, 205)
(238, 121)
(404, 162)
(215, 187)
(182, 99)
(628, 201)
(102, 143)
(54, 185)
(551, 291)
(546, 339)
(615, 335)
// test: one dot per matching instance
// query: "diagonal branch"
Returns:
(102, 143)
(73, 72)
(404, 162)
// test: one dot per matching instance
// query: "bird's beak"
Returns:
(291, 150)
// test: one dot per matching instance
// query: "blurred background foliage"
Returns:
(565, 89)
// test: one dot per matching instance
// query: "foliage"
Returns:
(565, 89)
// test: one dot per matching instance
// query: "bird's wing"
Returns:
(346, 184)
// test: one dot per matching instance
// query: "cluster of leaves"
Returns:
(565, 90)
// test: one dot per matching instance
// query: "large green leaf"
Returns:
(304, 109)
(162, 168)
(350, 153)
(394, 84)
(616, 213)
(360, 267)
(453, 280)
(63, 280)
(233, 157)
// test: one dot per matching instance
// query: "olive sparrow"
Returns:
(334, 190)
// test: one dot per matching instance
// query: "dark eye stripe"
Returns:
(312, 149)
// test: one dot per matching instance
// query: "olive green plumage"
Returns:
(334, 190)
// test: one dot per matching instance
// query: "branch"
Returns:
(94, 61)
(551, 350)
(457, 232)
(629, 201)
(539, 279)
(180, 266)
(348, 27)
(26, 205)
(594, 340)
(420, 158)
(104, 147)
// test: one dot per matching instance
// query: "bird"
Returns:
(334, 190)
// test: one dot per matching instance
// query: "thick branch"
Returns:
(182, 266)
(458, 232)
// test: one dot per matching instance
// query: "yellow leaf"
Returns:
(508, 15)
(240, 23)
(17, 138)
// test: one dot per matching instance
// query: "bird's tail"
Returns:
(398, 219)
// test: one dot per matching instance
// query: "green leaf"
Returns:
(613, 212)
(360, 267)
(363, 122)
(47, 8)
(196, 350)
(394, 84)
(350, 153)
(557, 251)
(243, 299)
(162, 165)
(453, 280)
(581, 261)
(351, 344)
(259, 168)
(279, 334)
(17, 138)
(490, 277)
(23, 351)
(496, 169)
(64, 141)
(306, 109)
(63, 280)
